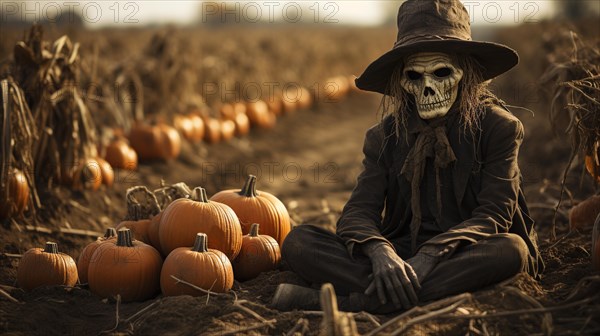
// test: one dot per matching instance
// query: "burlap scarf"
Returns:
(431, 142)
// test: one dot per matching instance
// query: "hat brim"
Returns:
(495, 58)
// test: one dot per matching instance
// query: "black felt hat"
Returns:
(436, 26)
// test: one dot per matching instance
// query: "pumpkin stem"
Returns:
(124, 238)
(110, 232)
(249, 189)
(134, 212)
(51, 247)
(199, 195)
(201, 243)
(254, 230)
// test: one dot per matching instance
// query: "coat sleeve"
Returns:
(497, 199)
(362, 214)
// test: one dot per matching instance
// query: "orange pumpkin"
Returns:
(212, 130)
(106, 172)
(125, 267)
(260, 253)
(184, 125)
(583, 215)
(227, 111)
(335, 88)
(153, 142)
(18, 195)
(242, 124)
(203, 267)
(169, 194)
(85, 257)
(137, 223)
(198, 127)
(227, 130)
(181, 220)
(254, 206)
(275, 105)
(138, 217)
(46, 267)
(120, 155)
(88, 175)
(258, 113)
(305, 99)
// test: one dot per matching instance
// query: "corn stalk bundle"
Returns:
(17, 138)
(164, 70)
(49, 74)
(576, 78)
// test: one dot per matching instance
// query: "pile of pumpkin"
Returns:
(201, 240)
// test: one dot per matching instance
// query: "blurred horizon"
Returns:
(103, 14)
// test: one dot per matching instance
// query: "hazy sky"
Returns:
(108, 12)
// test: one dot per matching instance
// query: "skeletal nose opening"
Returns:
(429, 92)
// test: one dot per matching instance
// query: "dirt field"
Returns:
(310, 161)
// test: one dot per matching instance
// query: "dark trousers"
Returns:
(320, 256)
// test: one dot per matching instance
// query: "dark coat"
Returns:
(486, 181)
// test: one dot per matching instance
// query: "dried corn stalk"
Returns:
(17, 139)
(49, 74)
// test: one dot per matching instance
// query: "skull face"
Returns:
(432, 78)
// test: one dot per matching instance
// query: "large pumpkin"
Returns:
(254, 206)
(125, 267)
(46, 267)
(181, 221)
(155, 141)
(166, 195)
(85, 257)
(203, 267)
(18, 195)
(260, 253)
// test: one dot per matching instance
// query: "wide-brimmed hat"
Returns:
(436, 26)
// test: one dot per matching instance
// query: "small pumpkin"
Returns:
(227, 111)
(46, 267)
(181, 220)
(227, 129)
(125, 267)
(305, 99)
(212, 130)
(198, 127)
(335, 88)
(206, 268)
(254, 206)
(18, 195)
(88, 175)
(153, 142)
(120, 155)
(260, 253)
(259, 114)
(242, 124)
(106, 172)
(583, 215)
(275, 106)
(184, 125)
(85, 258)
(138, 217)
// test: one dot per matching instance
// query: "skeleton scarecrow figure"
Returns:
(438, 209)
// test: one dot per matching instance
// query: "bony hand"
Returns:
(392, 277)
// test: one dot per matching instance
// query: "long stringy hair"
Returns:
(473, 96)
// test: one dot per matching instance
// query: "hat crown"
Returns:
(420, 20)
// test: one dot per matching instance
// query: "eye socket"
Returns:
(443, 72)
(413, 75)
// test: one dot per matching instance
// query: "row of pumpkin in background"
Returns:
(161, 141)
(114, 264)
